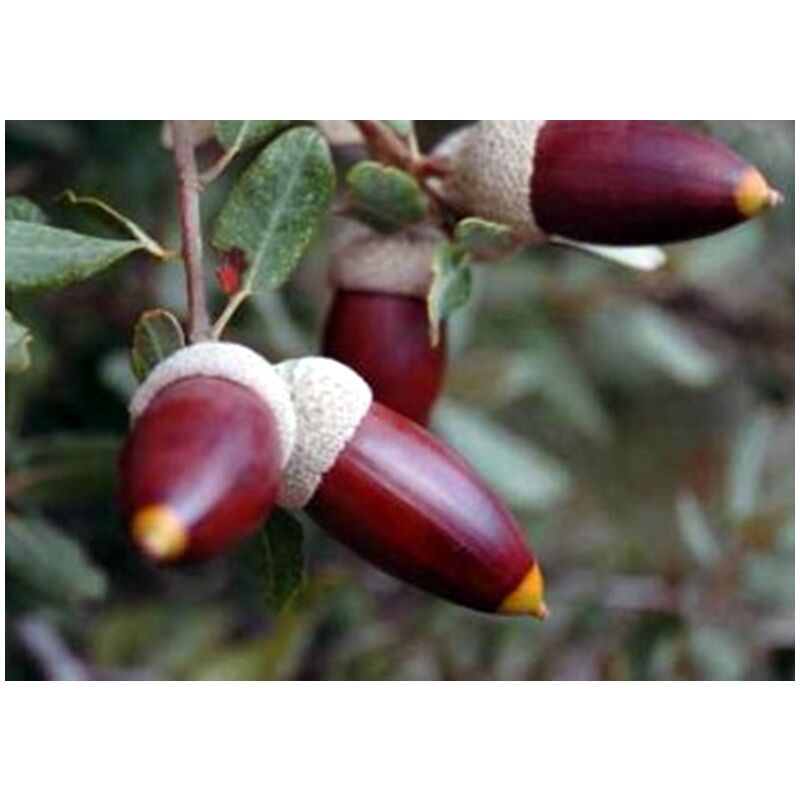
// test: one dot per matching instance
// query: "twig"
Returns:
(191, 234)
(234, 301)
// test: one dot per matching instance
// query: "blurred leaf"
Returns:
(125, 223)
(555, 374)
(664, 342)
(277, 206)
(56, 136)
(386, 197)
(18, 338)
(484, 239)
(38, 256)
(770, 579)
(20, 209)
(191, 636)
(116, 372)
(450, 288)
(283, 560)
(50, 562)
(746, 465)
(277, 655)
(523, 474)
(696, 531)
(718, 654)
(63, 467)
(241, 134)
(157, 334)
(124, 635)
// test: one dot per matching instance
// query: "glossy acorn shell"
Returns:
(207, 449)
(413, 508)
(385, 339)
(630, 182)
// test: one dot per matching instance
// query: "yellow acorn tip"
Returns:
(160, 533)
(754, 195)
(528, 597)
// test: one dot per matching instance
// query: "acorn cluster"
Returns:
(220, 436)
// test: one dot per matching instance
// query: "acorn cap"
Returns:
(232, 362)
(363, 260)
(330, 401)
(492, 168)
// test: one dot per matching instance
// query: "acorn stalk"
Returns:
(389, 490)
(212, 428)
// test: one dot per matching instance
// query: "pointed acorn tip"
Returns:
(160, 533)
(754, 195)
(528, 597)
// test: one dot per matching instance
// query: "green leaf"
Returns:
(276, 207)
(386, 197)
(239, 134)
(157, 334)
(668, 347)
(127, 224)
(484, 239)
(20, 209)
(46, 559)
(526, 476)
(450, 288)
(696, 530)
(751, 447)
(38, 256)
(282, 550)
(18, 356)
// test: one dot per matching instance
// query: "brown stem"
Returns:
(191, 234)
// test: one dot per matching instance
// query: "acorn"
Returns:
(212, 429)
(386, 488)
(609, 182)
(378, 323)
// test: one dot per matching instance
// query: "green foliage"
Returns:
(283, 568)
(521, 472)
(277, 206)
(670, 349)
(240, 134)
(42, 257)
(20, 209)
(51, 563)
(62, 468)
(450, 288)
(482, 238)
(18, 338)
(385, 197)
(120, 220)
(157, 334)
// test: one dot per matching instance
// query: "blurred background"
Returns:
(641, 426)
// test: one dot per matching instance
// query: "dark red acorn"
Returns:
(612, 182)
(378, 321)
(202, 464)
(388, 489)
(386, 339)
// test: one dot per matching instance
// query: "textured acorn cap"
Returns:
(330, 401)
(492, 168)
(395, 263)
(234, 363)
